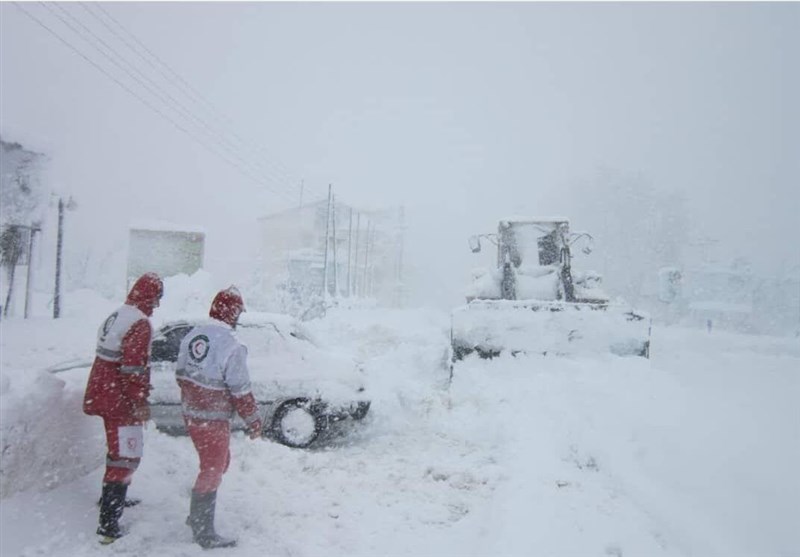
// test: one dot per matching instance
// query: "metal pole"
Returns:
(366, 261)
(371, 275)
(401, 286)
(59, 246)
(302, 184)
(335, 266)
(28, 278)
(327, 235)
(355, 257)
(349, 253)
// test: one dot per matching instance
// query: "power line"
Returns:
(165, 98)
(272, 168)
(142, 100)
(181, 83)
(182, 109)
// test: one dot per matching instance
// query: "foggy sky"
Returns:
(462, 112)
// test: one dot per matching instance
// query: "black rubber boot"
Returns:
(127, 504)
(201, 519)
(112, 502)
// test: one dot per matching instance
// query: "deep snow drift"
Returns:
(693, 452)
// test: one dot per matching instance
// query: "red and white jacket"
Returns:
(212, 373)
(119, 381)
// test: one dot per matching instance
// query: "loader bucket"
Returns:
(490, 327)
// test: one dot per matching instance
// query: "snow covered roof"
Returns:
(292, 210)
(533, 218)
(164, 226)
(519, 218)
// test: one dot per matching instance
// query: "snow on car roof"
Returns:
(248, 318)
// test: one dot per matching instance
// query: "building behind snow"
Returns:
(165, 249)
(314, 251)
(737, 298)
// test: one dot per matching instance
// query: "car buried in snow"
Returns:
(305, 393)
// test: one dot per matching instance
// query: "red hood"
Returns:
(146, 293)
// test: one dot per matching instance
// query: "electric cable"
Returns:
(165, 98)
(148, 104)
(176, 79)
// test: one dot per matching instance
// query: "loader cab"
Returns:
(527, 244)
(533, 242)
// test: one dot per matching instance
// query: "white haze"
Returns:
(654, 126)
(463, 113)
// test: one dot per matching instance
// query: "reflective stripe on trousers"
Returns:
(129, 463)
(121, 462)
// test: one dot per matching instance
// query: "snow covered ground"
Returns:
(694, 452)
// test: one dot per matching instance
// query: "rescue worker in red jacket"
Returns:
(117, 391)
(215, 382)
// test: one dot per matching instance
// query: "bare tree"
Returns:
(12, 241)
(22, 201)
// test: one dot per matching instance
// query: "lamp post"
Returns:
(33, 230)
(70, 204)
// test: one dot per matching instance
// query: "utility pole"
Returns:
(335, 266)
(355, 256)
(70, 204)
(59, 247)
(327, 235)
(33, 230)
(401, 241)
(302, 184)
(349, 253)
(366, 260)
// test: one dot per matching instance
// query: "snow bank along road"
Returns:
(694, 452)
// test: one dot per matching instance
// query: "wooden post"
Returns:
(335, 267)
(29, 277)
(59, 247)
(366, 261)
(349, 253)
(355, 256)
(327, 236)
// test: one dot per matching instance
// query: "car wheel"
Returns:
(295, 424)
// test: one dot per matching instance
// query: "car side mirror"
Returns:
(475, 244)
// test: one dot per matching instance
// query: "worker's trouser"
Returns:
(125, 441)
(211, 438)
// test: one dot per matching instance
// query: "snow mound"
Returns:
(47, 440)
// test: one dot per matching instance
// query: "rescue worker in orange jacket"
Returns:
(212, 373)
(117, 391)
